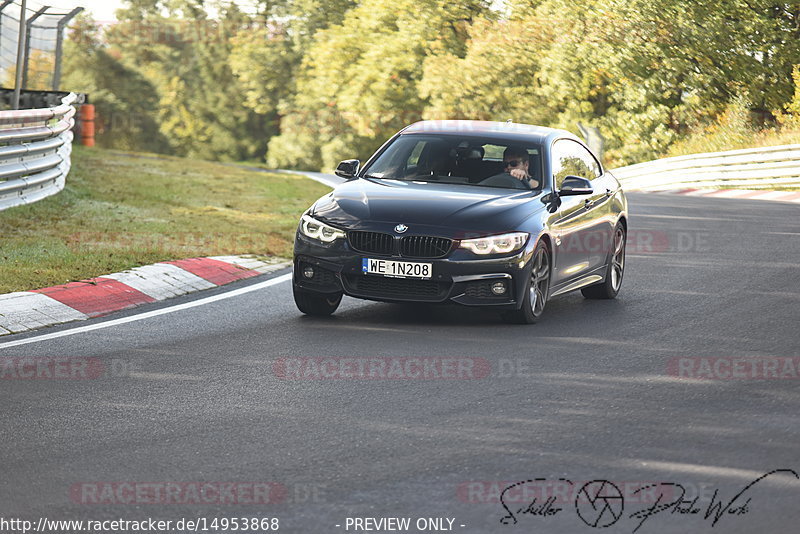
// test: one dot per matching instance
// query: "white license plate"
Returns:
(397, 269)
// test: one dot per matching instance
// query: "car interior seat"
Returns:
(469, 160)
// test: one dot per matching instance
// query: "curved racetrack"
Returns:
(588, 393)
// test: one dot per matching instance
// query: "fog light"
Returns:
(308, 272)
(499, 288)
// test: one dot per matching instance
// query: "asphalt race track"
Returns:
(592, 392)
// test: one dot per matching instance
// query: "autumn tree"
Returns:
(358, 82)
(125, 100)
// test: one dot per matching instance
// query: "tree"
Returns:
(789, 117)
(646, 72)
(358, 82)
(40, 71)
(266, 59)
(125, 101)
(322, 80)
(495, 80)
(201, 104)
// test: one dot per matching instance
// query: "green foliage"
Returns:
(264, 60)
(733, 128)
(645, 72)
(310, 16)
(358, 82)
(791, 118)
(495, 80)
(201, 107)
(124, 99)
(40, 71)
(310, 82)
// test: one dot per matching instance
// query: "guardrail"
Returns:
(750, 168)
(35, 147)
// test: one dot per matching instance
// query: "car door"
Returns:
(599, 219)
(571, 226)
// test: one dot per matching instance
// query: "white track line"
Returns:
(147, 315)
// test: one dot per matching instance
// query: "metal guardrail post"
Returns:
(28, 26)
(60, 44)
(20, 55)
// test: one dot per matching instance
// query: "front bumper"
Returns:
(461, 277)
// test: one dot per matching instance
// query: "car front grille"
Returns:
(396, 288)
(413, 246)
(371, 242)
(423, 246)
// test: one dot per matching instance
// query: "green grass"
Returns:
(122, 210)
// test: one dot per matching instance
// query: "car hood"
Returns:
(371, 203)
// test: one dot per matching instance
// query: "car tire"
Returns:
(318, 304)
(609, 288)
(536, 290)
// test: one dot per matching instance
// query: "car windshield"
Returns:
(459, 159)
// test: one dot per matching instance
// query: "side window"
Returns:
(571, 159)
(589, 161)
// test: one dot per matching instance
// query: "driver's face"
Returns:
(516, 162)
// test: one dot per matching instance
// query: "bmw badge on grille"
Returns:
(400, 228)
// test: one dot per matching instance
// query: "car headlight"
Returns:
(318, 230)
(496, 244)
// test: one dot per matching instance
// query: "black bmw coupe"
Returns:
(477, 213)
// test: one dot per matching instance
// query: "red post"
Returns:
(86, 118)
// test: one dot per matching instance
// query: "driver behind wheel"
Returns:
(515, 163)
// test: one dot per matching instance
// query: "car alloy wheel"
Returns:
(538, 288)
(540, 281)
(608, 288)
(618, 258)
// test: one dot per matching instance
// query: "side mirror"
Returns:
(348, 168)
(575, 185)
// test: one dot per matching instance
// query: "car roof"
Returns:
(506, 130)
